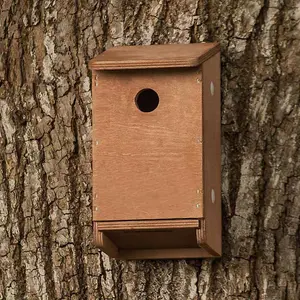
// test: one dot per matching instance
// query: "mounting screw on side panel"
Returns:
(96, 80)
(212, 88)
(97, 143)
(213, 196)
(198, 80)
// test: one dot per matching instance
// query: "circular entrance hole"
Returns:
(146, 100)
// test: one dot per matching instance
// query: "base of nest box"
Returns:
(153, 239)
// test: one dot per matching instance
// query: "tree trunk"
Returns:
(46, 249)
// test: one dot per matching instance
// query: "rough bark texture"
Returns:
(45, 148)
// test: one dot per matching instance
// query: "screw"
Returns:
(198, 140)
(96, 80)
(198, 205)
(97, 143)
(213, 196)
(198, 191)
(198, 80)
(212, 88)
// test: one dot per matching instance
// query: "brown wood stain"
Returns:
(154, 172)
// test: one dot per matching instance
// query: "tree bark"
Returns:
(46, 249)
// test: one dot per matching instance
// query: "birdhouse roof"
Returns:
(154, 56)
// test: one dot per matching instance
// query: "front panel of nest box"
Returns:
(147, 152)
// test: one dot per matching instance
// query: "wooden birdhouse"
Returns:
(156, 151)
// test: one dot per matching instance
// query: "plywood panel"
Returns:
(154, 56)
(154, 239)
(147, 165)
(155, 244)
(212, 154)
(105, 242)
(149, 224)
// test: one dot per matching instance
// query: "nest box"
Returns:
(156, 151)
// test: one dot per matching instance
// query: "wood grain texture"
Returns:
(147, 224)
(147, 165)
(123, 150)
(155, 244)
(203, 242)
(154, 56)
(105, 242)
(154, 239)
(212, 153)
(46, 248)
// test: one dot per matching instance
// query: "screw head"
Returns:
(97, 143)
(213, 196)
(198, 205)
(212, 88)
(198, 80)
